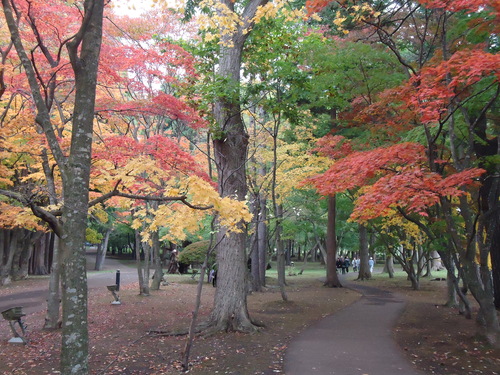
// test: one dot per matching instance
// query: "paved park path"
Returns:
(354, 341)
(34, 299)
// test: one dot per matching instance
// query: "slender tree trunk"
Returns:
(263, 241)
(192, 326)
(280, 253)
(142, 266)
(322, 251)
(101, 251)
(332, 279)
(158, 270)
(254, 240)
(54, 298)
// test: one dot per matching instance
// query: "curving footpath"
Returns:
(354, 341)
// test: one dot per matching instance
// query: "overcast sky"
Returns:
(132, 8)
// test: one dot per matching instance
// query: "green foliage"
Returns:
(122, 237)
(490, 163)
(196, 253)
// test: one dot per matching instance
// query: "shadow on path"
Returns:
(357, 340)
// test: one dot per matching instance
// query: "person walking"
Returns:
(342, 265)
(371, 263)
(347, 264)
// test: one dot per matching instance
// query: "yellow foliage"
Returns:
(223, 22)
(179, 219)
(413, 234)
(99, 214)
(18, 217)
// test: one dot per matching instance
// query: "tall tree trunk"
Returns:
(280, 253)
(83, 51)
(364, 256)
(259, 245)
(332, 279)
(230, 150)
(322, 250)
(263, 241)
(54, 298)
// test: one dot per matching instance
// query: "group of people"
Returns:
(343, 264)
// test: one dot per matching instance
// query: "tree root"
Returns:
(208, 328)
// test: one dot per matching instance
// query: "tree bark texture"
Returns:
(158, 270)
(389, 265)
(83, 50)
(332, 279)
(364, 256)
(230, 152)
(280, 252)
(142, 267)
(101, 251)
(54, 297)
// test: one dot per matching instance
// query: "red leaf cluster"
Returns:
(414, 189)
(359, 168)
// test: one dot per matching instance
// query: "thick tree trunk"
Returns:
(8, 248)
(230, 311)
(332, 279)
(39, 262)
(23, 255)
(482, 293)
(230, 150)
(364, 256)
(389, 265)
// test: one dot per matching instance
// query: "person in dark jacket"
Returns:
(347, 264)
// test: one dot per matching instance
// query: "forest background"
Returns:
(251, 113)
